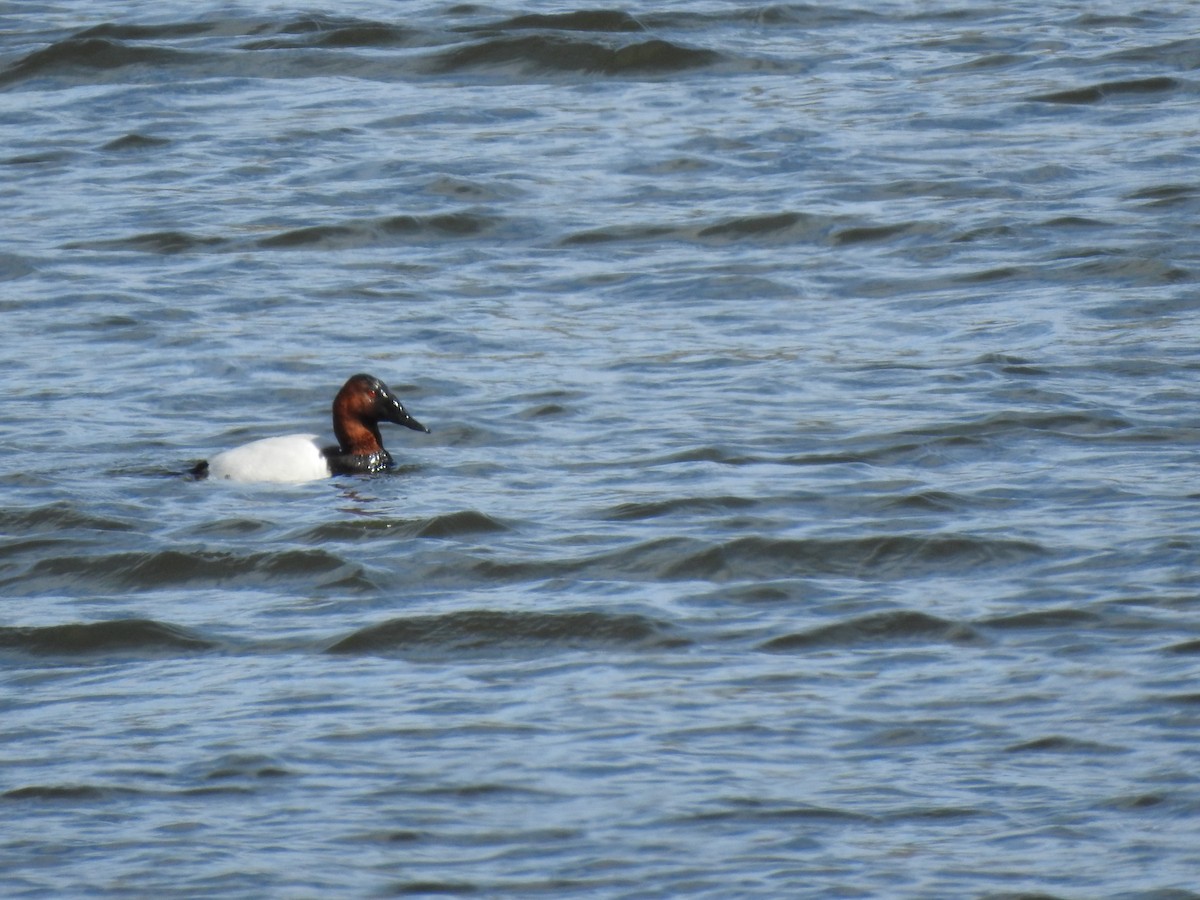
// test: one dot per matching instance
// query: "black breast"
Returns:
(357, 463)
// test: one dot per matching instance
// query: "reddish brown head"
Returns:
(363, 402)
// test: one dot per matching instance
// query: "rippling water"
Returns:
(810, 508)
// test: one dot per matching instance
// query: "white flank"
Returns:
(292, 458)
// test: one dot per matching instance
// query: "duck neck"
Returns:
(357, 437)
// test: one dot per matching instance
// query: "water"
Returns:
(810, 505)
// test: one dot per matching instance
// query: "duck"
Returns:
(363, 402)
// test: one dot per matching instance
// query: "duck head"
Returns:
(363, 402)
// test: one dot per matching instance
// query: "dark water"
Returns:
(811, 503)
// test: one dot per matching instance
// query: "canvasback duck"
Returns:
(363, 402)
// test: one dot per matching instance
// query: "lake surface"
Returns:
(811, 503)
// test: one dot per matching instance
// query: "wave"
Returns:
(1165, 195)
(652, 509)
(462, 631)
(1182, 54)
(758, 558)
(557, 53)
(500, 631)
(166, 568)
(609, 43)
(756, 226)
(165, 242)
(1185, 647)
(124, 31)
(59, 516)
(888, 448)
(1059, 744)
(230, 774)
(381, 232)
(90, 54)
(877, 628)
(885, 556)
(102, 637)
(1068, 423)
(1049, 618)
(326, 31)
(69, 792)
(781, 226)
(491, 630)
(741, 810)
(768, 227)
(134, 141)
(1108, 89)
(447, 525)
(582, 20)
(902, 626)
